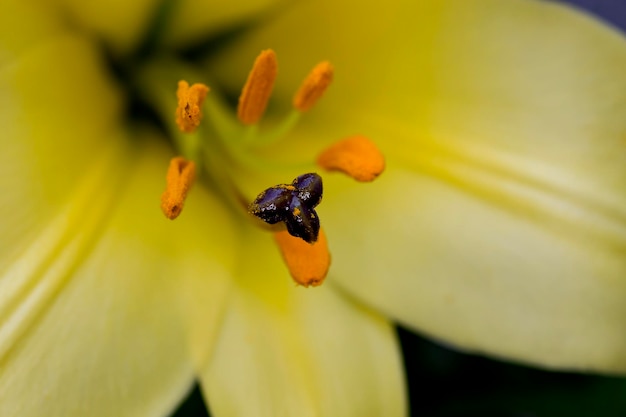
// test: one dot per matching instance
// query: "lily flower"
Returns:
(499, 224)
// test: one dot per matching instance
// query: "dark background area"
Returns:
(609, 11)
(447, 383)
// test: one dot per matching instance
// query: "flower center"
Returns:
(287, 209)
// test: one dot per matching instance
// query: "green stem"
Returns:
(277, 133)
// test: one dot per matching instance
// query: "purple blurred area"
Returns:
(610, 11)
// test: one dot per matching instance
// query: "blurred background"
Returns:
(609, 11)
(446, 383)
(443, 382)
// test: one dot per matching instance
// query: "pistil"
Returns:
(294, 204)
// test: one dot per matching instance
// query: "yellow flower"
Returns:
(499, 225)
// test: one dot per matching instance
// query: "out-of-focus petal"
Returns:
(112, 313)
(504, 231)
(23, 24)
(123, 24)
(59, 113)
(106, 308)
(294, 351)
(194, 20)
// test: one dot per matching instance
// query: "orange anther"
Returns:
(307, 263)
(258, 88)
(356, 156)
(190, 99)
(180, 176)
(313, 86)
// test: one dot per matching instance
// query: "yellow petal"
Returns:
(285, 350)
(461, 269)
(503, 229)
(120, 313)
(105, 307)
(59, 110)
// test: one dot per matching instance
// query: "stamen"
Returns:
(180, 176)
(258, 88)
(307, 263)
(356, 156)
(190, 99)
(313, 86)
